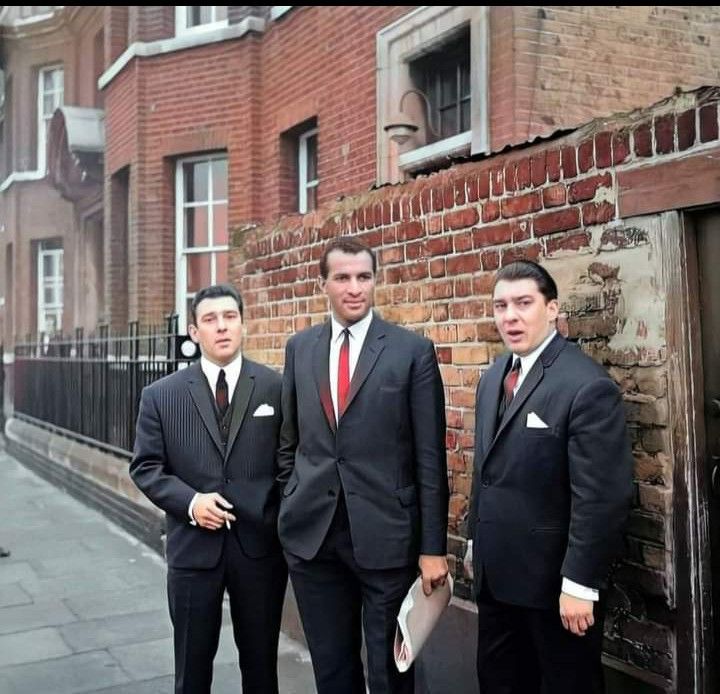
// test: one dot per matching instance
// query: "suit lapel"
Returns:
(493, 392)
(200, 394)
(321, 371)
(240, 402)
(528, 386)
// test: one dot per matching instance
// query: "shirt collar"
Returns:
(212, 370)
(528, 361)
(358, 330)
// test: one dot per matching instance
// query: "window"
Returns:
(201, 228)
(432, 89)
(50, 96)
(307, 171)
(199, 18)
(50, 287)
(443, 75)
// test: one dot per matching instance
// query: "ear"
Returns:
(322, 283)
(553, 307)
(193, 332)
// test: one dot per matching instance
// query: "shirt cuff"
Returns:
(579, 591)
(190, 509)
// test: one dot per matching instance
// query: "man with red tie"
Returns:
(363, 470)
(551, 491)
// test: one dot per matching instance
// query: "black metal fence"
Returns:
(89, 387)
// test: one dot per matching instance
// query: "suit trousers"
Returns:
(337, 600)
(528, 651)
(256, 588)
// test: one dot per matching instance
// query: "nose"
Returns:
(354, 286)
(221, 325)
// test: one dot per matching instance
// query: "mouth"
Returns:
(222, 343)
(514, 335)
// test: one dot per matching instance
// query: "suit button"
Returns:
(486, 483)
(227, 480)
(341, 461)
(331, 492)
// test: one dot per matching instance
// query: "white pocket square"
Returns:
(534, 422)
(264, 410)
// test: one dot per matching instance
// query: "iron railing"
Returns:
(89, 387)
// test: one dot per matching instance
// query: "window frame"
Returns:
(181, 21)
(303, 183)
(56, 281)
(182, 295)
(41, 118)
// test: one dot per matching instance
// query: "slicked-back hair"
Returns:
(345, 244)
(215, 291)
(529, 270)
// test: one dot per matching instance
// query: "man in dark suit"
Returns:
(363, 466)
(551, 490)
(205, 453)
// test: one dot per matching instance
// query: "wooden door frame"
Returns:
(695, 670)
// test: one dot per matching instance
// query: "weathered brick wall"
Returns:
(439, 240)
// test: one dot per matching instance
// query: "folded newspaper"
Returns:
(418, 615)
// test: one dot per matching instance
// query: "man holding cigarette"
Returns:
(205, 454)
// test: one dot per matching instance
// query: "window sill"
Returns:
(423, 157)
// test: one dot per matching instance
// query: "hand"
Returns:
(468, 561)
(576, 614)
(210, 511)
(434, 571)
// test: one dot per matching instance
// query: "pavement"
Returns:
(83, 605)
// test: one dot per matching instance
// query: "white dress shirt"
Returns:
(212, 371)
(358, 332)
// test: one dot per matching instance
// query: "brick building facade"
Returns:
(237, 142)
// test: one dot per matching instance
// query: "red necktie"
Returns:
(343, 382)
(511, 381)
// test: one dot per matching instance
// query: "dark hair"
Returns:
(346, 244)
(215, 291)
(528, 270)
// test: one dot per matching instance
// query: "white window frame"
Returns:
(398, 45)
(56, 281)
(181, 21)
(303, 183)
(42, 117)
(181, 252)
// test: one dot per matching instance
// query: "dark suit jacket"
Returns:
(549, 502)
(178, 451)
(387, 453)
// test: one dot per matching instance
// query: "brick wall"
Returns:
(439, 240)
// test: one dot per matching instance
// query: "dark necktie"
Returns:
(343, 382)
(221, 393)
(511, 381)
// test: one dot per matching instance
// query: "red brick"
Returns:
(554, 196)
(437, 267)
(511, 177)
(483, 183)
(459, 191)
(463, 242)
(492, 235)
(603, 150)
(665, 133)
(459, 264)
(597, 213)
(522, 204)
(586, 159)
(538, 169)
(561, 220)
(643, 140)
(523, 174)
(490, 211)
(569, 165)
(521, 229)
(708, 123)
(529, 252)
(490, 260)
(586, 188)
(461, 219)
(686, 130)
(573, 242)
(410, 230)
(620, 147)
(472, 188)
(496, 181)
(553, 165)
(416, 271)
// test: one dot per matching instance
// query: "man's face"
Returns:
(522, 315)
(350, 285)
(218, 329)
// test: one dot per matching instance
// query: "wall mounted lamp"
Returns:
(401, 127)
